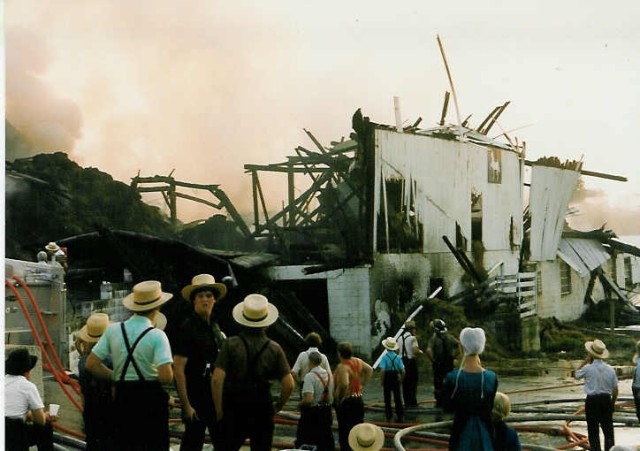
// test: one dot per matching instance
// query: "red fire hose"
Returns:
(36, 336)
(65, 377)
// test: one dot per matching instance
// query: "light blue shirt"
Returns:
(391, 361)
(152, 351)
(599, 378)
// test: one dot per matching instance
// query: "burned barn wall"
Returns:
(398, 283)
(368, 302)
(442, 176)
(471, 194)
(349, 302)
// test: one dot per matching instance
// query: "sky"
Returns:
(203, 87)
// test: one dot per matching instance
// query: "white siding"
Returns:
(446, 173)
(564, 308)
(350, 307)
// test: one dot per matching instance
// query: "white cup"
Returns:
(53, 409)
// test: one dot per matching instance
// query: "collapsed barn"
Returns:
(373, 226)
(393, 214)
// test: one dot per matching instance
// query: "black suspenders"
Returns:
(130, 359)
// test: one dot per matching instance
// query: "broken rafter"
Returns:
(315, 141)
(445, 107)
(486, 119)
(495, 117)
(601, 175)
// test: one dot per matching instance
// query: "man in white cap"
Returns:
(601, 387)
(142, 364)
(241, 383)
(195, 350)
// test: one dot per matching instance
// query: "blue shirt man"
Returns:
(601, 387)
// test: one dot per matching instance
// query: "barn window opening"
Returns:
(399, 229)
(565, 279)
(476, 217)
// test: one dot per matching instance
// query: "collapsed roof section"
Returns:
(335, 220)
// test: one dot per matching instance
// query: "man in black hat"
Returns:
(442, 350)
(26, 422)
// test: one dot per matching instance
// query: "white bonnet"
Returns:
(472, 340)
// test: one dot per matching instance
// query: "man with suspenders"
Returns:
(314, 427)
(241, 383)
(393, 372)
(409, 350)
(142, 364)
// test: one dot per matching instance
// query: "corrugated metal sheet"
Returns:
(551, 190)
(583, 255)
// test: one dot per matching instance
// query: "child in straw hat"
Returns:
(96, 392)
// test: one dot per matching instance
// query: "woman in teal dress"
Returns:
(469, 393)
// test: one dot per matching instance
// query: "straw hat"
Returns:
(52, 247)
(366, 436)
(255, 311)
(597, 349)
(19, 362)
(160, 321)
(204, 281)
(96, 324)
(390, 344)
(146, 296)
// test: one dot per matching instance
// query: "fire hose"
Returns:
(38, 340)
(74, 384)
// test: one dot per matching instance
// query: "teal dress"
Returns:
(470, 396)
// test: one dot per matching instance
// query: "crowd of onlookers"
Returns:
(225, 383)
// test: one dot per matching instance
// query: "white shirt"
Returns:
(313, 385)
(407, 343)
(599, 378)
(20, 396)
(301, 367)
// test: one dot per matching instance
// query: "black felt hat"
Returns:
(19, 362)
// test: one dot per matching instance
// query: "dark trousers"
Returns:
(349, 413)
(194, 431)
(410, 381)
(314, 428)
(19, 436)
(440, 370)
(391, 385)
(142, 420)
(98, 417)
(246, 418)
(636, 399)
(599, 413)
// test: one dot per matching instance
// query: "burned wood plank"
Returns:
(445, 107)
(601, 175)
